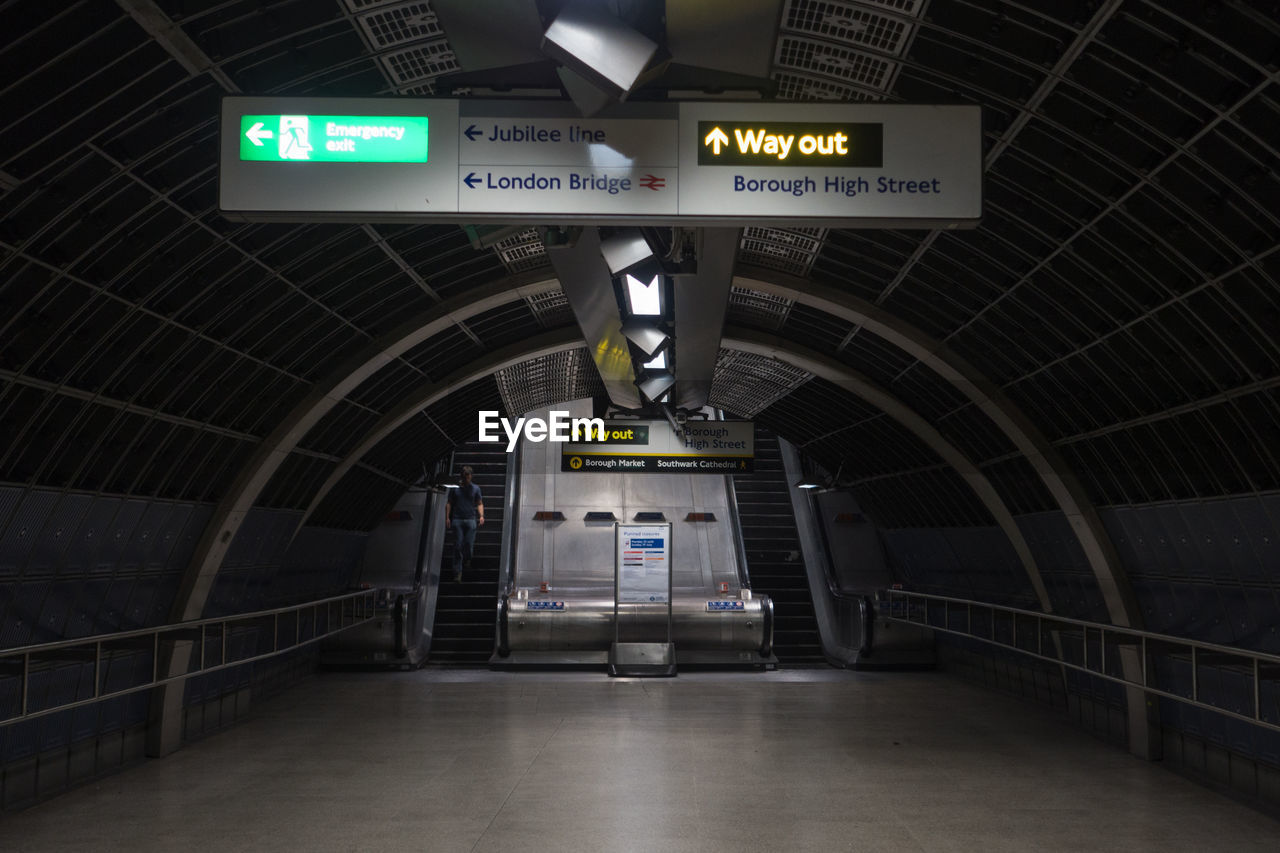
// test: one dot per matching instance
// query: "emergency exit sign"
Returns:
(334, 139)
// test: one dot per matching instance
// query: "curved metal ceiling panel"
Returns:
(547, 381)
(1122, 289)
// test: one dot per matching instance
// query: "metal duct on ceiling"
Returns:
(587, 284)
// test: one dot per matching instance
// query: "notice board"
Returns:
(643, 555)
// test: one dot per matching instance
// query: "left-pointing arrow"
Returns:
(257, 133)
(471, 180)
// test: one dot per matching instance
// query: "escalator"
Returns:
(465, 612)
(773, 553)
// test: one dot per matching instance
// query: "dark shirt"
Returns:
(463, 500)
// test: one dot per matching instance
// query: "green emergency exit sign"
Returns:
(334, 139)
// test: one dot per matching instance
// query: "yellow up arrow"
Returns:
(715, 139)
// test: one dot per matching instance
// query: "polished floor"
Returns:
(792, 760)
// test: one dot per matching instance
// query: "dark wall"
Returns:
(1205, 570)
(75, 565)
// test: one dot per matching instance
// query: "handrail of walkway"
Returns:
(918, 608)
(328, 616)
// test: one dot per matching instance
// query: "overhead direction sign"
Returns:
(702, 447)
(851, 165)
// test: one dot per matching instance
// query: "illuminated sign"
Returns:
(826, 144)
(615, 433)
(702, 447)
(334, 139)
(660, 163)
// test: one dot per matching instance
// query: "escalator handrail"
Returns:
(502, 640)
(766, 648)
(400, 623)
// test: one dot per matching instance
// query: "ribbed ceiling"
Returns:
(1122, 288)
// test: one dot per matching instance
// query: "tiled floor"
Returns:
(802, 760)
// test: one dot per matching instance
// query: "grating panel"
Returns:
(523, 251)
(758, 309)
(551, 308)
(818, 57)
(805, 87)
(366, 5)
(914, 8)
(747, 384)
(418, 63)
(418, 91)
(396, 25)
(851, 23)
(791, 251)
(548, 380)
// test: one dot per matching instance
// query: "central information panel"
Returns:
(644, 563)
(350, 159)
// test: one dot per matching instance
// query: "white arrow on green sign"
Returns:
(334, 139)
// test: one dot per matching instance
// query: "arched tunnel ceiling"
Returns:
(1122, 288)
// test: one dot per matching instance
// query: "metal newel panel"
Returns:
(97, 667)
(224, 642)
(275, 633)
(1144, 661)
(1102, 643)
(26, 673)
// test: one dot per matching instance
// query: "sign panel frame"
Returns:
(633, 163)
(369, 192)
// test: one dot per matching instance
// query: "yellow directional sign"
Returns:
(827, 144)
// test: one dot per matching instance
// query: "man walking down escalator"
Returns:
(464, 511)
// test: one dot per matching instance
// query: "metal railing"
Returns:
(206, 638)
(1067, 637)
